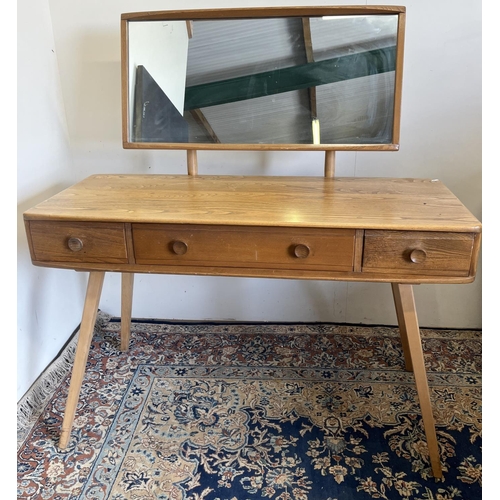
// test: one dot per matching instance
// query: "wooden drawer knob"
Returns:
(417, 256)
(179, 247)
(301, 251)
(75, 244)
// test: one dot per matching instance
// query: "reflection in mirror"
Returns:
(284, 80)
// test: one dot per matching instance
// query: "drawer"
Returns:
(236, 246)
(78, 242)
(414, 252)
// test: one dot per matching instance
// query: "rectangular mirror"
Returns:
(325, 78)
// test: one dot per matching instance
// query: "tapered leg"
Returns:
(402, 326)
(94, 289)
(408, 323)
(127, 291)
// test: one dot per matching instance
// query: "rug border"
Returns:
(34, 401)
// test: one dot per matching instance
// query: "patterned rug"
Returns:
(258, 411)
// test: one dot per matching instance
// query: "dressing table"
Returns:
(402, 231)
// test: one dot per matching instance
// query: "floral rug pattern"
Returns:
(240, 412)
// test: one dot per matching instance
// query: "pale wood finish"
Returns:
(281, 201)
(79, 242)
(398, 83)
(386, 230)
(260, 147)
(402, 326)
(256, 272)
(129, 243)
(330, 164)
(94, 289)
(126, 309)
(358, 250)
(410, 335)
(390, 217)
(75, 244)
(418, 252)
(475, 254)
(263, 12)
(399, 231)
(192, 162)
(124, 81)
(27, 227)
(227, 246)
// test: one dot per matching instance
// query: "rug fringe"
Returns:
(32, 404)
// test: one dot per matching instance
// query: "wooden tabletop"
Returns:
(342, 202)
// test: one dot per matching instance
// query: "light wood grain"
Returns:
(397, 216)
(129, 243)
(124, 81)
(226, 246)
(358, 250)
(263, 12)
(410, 334)
(93, 295)
(192, 162)
(398, 79)
(126, 309)
(343, 202)
(265, 272)
(402, 326)
(418, 252)
(330, 164)
(400, 231)
(78, 242)
(260, 147)
(475, 254)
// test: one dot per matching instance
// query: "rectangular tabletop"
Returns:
(279, 201)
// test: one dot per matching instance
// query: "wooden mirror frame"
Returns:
(255, 13)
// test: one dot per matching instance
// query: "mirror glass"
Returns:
(323, 80)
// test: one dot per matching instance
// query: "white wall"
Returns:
(440, 138)
(49, 301)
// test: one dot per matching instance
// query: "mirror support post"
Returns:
(329, 163)
(192, 162)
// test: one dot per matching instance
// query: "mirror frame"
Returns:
(255, 13)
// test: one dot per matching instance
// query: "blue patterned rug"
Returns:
(240, 412)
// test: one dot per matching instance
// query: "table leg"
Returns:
(410, 334)
(127, 289)
(94, 289)
(402, 326)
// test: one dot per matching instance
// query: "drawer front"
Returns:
(414, 252)
(78, 242)
(283, 248)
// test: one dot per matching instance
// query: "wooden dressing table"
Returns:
(399, 231)
(338, 67)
